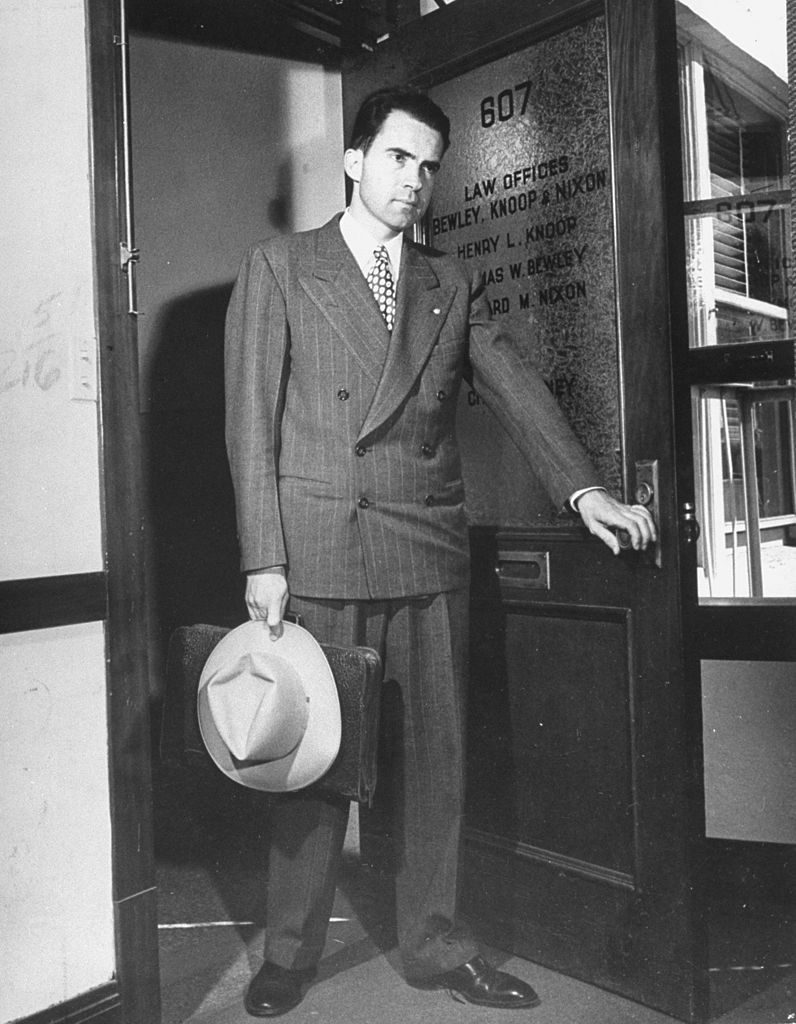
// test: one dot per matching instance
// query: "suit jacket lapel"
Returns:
(336, 285)
(422, 305)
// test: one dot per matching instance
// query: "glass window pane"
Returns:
(738, 213)
(737, 322)
(736, 187)
(744, 455)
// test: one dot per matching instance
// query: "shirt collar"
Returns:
(362, 245)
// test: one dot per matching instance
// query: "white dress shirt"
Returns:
(362, 245)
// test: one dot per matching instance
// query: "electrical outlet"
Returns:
(83, 382)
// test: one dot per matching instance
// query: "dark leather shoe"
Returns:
(274, 990)
(482, 984)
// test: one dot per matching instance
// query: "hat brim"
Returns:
(320, 744)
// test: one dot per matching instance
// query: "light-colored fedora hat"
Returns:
(268, 709)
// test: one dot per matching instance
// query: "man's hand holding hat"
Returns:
(267, 596)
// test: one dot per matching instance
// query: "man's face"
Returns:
(394, 180)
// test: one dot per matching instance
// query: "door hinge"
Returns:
(127, 256)
(128, 260)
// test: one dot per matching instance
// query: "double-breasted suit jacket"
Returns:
(341, 437)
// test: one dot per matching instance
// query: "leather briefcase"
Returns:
(357, 674)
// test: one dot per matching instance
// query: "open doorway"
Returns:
(229, 145)
(236, 123)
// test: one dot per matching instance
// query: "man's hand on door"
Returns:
(602, 514)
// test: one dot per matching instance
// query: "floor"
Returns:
(209, 844)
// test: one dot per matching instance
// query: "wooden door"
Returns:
(563, 186)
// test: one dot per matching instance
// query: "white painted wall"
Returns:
(56, 936)
(56, 921)
(228, 148)
(49, 472)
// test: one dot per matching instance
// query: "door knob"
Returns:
(625, 543)
(689, 522)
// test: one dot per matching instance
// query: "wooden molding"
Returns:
(46, 601)
(99, 1005)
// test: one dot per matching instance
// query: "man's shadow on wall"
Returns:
(193, 552)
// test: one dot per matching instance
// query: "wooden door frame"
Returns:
(134, 893)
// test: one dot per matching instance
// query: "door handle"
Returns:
(645, 492)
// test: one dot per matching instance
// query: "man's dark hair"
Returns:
(376, 107)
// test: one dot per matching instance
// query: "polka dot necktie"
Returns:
(382, 285)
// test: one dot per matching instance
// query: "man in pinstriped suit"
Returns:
(350, 505)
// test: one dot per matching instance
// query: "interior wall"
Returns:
(750, 750)
(57, 938)
(228, 148)
(55, 887)
(48, 366)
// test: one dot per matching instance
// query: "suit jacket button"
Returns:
(343, 395)
(360, 450)
(429, 500)
(441, 396)
(363, 503)
(426, 450)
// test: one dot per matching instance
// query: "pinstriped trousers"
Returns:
(423, 645)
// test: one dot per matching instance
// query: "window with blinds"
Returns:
(746, 161)
(737, 210)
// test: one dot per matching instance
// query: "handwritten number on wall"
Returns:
(36, 362)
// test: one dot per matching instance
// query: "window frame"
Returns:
(698, 50)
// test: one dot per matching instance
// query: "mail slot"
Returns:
(529, 569)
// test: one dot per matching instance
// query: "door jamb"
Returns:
(135, 909)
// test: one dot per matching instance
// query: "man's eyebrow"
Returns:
(432, 165)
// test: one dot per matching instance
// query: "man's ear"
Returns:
(352, 163)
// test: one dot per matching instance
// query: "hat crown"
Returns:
(268, 708)
(259, 706)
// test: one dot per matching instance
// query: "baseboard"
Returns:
(100, 1006)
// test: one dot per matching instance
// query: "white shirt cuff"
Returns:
(575, 497)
